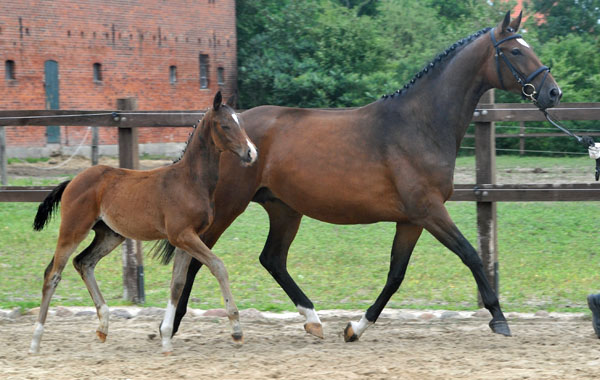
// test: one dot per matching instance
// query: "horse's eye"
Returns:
(516, 51)
(225, 127)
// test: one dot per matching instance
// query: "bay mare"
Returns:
(392, 160)
(173, 202)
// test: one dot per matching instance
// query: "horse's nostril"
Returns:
(554, 93)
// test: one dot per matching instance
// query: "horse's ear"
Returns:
(517, 22)
(217, 101)
(505, 23)
(231, 101)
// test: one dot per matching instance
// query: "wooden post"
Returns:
(3, 158)
(522, 138)
(487, 228)
(94, 147)
(133, 267)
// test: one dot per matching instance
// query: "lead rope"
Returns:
(587, 141)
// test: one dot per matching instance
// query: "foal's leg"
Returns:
(443, 228)
(67, 243)
(190, 242)
(104, 242)
(404, 242)
(178, 280)
(283, 226)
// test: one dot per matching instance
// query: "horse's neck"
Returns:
(201, 159)
(452, 95)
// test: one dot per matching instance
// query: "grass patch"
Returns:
(548, 255)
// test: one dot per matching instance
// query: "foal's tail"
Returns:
(164, 251)
(48, 206)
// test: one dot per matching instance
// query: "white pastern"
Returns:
(522, 42)
(37, 337)
(166, 329)
(310, 314)
(360, 326)
(103, 316)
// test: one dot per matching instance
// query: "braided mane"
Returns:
(439, 60)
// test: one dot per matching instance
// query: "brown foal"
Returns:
(173, 202)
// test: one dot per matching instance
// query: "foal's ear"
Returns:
(516, 22)
(231, 101)
(217, 101)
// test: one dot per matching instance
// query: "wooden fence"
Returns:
(485, 192)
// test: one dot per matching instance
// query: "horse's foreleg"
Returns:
(104, 242)
(441, 226)
(190, 242)
(283, 226)
(404, 242)
(52, 277)
(178, 280)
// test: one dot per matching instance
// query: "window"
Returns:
(9, 70)
(203, 71)
(173, 74)
(221, 76)
(97, 72)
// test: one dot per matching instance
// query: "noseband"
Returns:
(527, 88)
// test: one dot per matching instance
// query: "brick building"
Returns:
(85, 54)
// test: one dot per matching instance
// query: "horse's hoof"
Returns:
(594, 305)
(167, 353)
(315, 329)
(238, 338)
(500, 327)
(349, 335)
(101, 336)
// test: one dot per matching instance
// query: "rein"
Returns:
(528, 91)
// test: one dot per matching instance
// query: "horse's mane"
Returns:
(439, 60)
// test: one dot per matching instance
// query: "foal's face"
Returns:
(228, 134)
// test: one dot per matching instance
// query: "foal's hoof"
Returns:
(349, 335)
(315, 329)
(238, 338)
(594, 305)
(101, 336)
(500, 327)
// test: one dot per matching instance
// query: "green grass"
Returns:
(549, 257)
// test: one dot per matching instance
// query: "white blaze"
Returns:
(522, 42)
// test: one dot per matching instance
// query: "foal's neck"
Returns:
(201, 158)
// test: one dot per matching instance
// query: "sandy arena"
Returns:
(403, 344)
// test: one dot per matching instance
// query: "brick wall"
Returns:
(135, 42)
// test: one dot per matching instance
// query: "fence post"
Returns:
(133, 267)
(485, 166)
(94, 148)
(3, 158)
(522, 138)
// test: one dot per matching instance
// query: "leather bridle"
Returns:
(527, 88)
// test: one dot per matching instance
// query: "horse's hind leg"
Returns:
(178, 279)
(404, 242)
(283, 226)
(441, 226)
(64, 248)
(104, 242)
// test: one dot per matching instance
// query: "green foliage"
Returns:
(568, 17)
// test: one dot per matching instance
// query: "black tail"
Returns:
(163, 251)
(48, 206)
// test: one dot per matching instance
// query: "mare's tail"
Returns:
(48, 206)
(163, 251)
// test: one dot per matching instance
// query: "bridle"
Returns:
(527, 88)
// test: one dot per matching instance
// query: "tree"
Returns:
(565, 17)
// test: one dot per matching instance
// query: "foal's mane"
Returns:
(439, 61)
